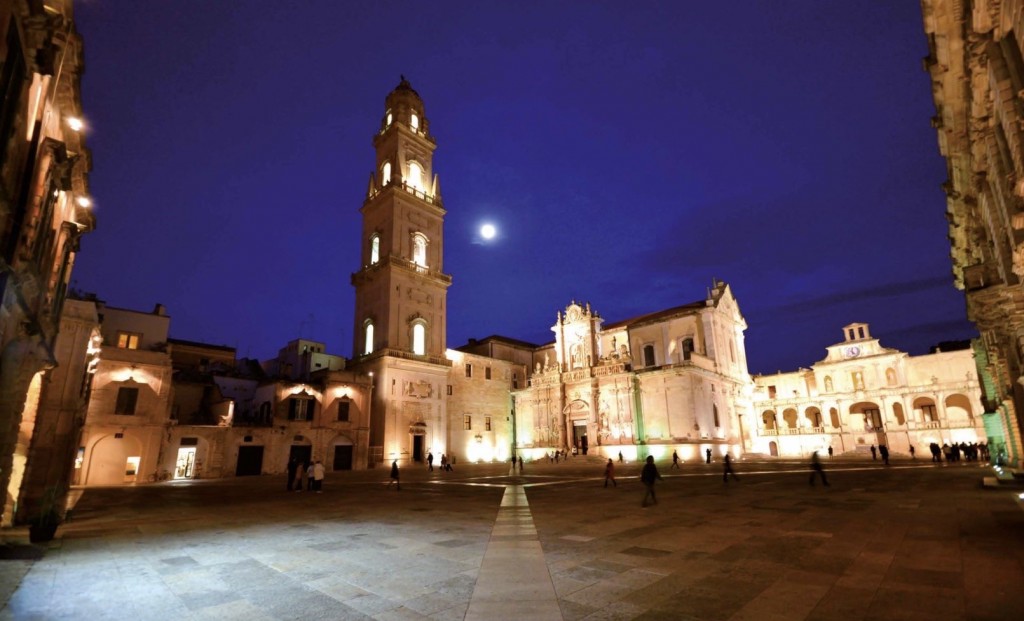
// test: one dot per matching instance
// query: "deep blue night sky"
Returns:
(628, 153)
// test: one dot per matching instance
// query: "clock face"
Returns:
(852, 352)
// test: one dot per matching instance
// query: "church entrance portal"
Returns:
(579, 436)
(417, 448)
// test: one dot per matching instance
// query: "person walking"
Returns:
(430, 462)
(513, 469)
(675, 460)
(309, 476)
(620, 457)
(609, 473)
(817, 470)
(830, 452)
(884, 451)
(648, 476)
(520, 464)
(394, 476)
(912, 451)
(874, 453)
(318, 476)
(727, 469)
(707, 456)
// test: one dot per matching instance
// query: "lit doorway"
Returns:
(131, 469)
(186, 462)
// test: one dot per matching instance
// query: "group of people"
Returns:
(553, 457)
(446, 464)
(954, 452)
(309, 472)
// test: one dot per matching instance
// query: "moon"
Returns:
(488, 231)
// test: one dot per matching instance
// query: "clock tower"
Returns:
(401, 289)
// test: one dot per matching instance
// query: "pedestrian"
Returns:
(444, 462)
(874, 453)
(648, 476)
(318, 476)
(620, 457)
(293, 466)
(394, 476)
(520, 464)
(556, 456)
(817, 470)
(912, 451)
(513, 470)
(727, 469)
(884, 450)
(675, 460)
(430, 462)
(309, 476)
(830, 452)
(707, 456)
(609, 473)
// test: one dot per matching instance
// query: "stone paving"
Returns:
(912, 541)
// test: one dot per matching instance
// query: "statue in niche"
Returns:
(623, 351)
(577, 356)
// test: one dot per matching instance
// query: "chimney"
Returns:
(160, 309)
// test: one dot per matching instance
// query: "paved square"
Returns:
(912, 541)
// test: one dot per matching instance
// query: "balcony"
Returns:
(402, 185)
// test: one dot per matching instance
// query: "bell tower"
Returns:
(400, 288)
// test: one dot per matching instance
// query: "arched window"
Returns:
(415, 176)
(414, 122)
(389, 118)
(687, 349)
(368, 336)
(419, 338)
(419, 249)
(385, 174)
(374, 249)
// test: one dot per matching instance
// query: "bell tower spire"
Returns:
(400, 288)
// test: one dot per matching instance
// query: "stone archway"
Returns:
(111, 461)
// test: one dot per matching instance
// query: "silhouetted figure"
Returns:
(620, 457)
(430, 462)
(648, 476)
(830, 452)
(513, 470)
(675, 460)
(874, 453)
(293, 467)
(394, 476)
(300, 473)
(727, 469)
(609, 473)
(884, 451)
(817, 470)
(520, 464)
(707, 456)
(912, 451)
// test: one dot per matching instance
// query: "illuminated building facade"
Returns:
(673, 380)
(976, 66)
(44, 210)
(864, 394)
